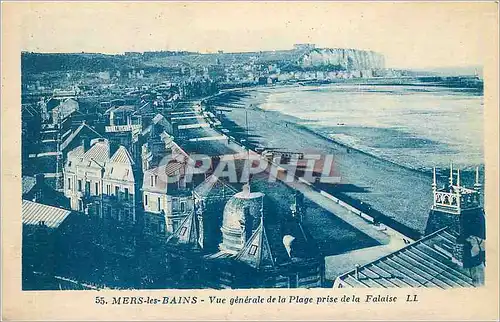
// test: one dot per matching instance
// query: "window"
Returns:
(146, 200)
(183, 206)
(159, 204)
(152, 184)
(117, 191)
(80, 205)
(183, 231)
(87, 187)
(126, 193)
(96, 188)
(108, 189)
(69, 183)
(79, 185)
(253, 249)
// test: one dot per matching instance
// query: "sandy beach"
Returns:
(400, 196)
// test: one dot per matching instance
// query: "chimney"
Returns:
(86, 143)
(287, 242)
(356, 271)
(40, 178)
(175, 129)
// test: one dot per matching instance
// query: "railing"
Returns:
(455, 202)
(122, 128)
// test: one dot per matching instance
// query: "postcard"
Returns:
(250, 160)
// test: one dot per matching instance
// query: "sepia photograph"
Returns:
(247, 146)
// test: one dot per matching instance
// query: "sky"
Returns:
(409, 35)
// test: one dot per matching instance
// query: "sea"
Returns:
(416, 126)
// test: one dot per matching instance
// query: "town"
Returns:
(118, 193)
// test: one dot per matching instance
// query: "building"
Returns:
(101, 179)
(166, 194)
(124, 127)
(64, 110)
(451, 254)
(158, 138)
(41, 225)
(256, 250)
(83, 133)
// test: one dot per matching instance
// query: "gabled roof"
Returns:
(163, 173)
(123, 108)
(118, 167)
(424, 263)
(157, 119)
(76, 152)
(187, 232)
(98, 152)
(214, 186)
(122, 156)
(257, 251)
(35, 213)
(75, 133)
(68, 105)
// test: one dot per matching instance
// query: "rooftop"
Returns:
(425, 263)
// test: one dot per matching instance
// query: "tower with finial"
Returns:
(434, 181)
(451, 175)
(297, 207)
(458, 210)
(477, 185)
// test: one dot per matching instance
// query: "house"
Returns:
(158, 142)
(41, 225)
(165, 193)
(124, 128)
(100, 180)
(82, 135)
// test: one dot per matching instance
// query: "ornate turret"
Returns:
(458, 209)
(240, 219)
(455, 198)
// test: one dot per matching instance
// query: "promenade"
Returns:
(336, 229)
